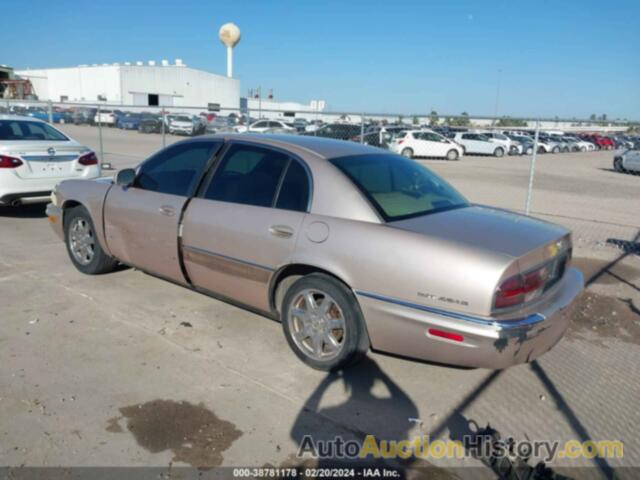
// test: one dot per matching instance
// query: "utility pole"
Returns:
(495, 111)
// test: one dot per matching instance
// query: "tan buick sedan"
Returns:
(351, 247)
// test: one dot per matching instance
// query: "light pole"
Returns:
(495, 111)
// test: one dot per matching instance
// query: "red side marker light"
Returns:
(456, 337)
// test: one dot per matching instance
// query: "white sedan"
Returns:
(628, 161)
(262, 126)
(478, 143)
(425, 143)
(34, 157)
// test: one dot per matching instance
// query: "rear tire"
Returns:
(555, 150)
(617, 165)
(407, 152)
(323, 324)
(83, 247)
(498, 152)
(529, 151)
(452, 155)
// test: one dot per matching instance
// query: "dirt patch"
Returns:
(606, 317)
(599, 272)
(194, 434)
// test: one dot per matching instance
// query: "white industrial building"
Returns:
(139, 84)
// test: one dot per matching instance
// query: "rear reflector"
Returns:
(9, 162)
(448, 335)
(88, 159)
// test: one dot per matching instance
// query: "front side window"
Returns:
(249, 175)
(397, 187)
(177, 169)
(26, 130)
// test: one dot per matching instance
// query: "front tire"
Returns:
(617, 165)
(498, 152)
(407, 152)
(83, 247)
(452, 155)
(323, 324)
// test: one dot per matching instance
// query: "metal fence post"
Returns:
(532, 169)
(50, 110)
(164, 122)
(362, 128)
(100, 135)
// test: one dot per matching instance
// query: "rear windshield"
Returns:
(398, 187)
(26, 130)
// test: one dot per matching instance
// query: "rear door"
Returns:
(141, 222)
(244, 225)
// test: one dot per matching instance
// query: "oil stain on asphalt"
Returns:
(194, 434)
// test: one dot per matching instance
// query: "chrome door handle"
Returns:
(167, 210)
(281, 231)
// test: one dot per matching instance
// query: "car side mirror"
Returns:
(126, 177)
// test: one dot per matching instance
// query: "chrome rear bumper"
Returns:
(402, 328)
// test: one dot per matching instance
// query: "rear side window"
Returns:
(294, 191)
(248, 175)
(177, 169)
(26, 130)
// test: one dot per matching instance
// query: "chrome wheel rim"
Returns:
(81, 241)
(407, 153)
(317, 325)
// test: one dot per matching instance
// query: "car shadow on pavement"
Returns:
(37, 210)
(375, 406)
(572, 419)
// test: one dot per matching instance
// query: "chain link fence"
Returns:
(578, 173)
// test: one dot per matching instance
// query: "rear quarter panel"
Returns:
(379, 259)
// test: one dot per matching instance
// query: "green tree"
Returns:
(433, 118)
(592, 117)
(461, 121)
(511, 122)
(416, 120)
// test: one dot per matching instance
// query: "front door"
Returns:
(141, 222)
(244, 225)
(633, 160)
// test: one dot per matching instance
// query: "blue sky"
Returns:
(568, 58)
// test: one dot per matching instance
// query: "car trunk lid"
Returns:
(518, 236)
(45, 160)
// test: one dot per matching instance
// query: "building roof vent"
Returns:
(179, 62)
(152, 63)
(127, 63)
(139, 63)
(165, 63)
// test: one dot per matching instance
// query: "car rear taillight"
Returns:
(522, 287)
(88, 159)
(9, 162)
(400, 142)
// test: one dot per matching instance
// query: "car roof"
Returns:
(319, 146)
(5, 116)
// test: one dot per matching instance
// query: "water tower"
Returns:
(229, 35)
